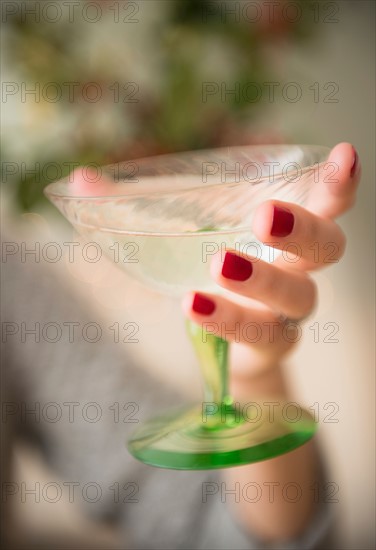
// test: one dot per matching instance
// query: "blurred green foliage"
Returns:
(166, 56)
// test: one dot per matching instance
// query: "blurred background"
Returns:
(104, 81)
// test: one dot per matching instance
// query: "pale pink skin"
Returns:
(280, 289)
(87, 182)
(284, 288)
(256, 369)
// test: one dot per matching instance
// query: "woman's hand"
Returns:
(265, 297)
(279, 291)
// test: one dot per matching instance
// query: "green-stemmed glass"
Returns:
(167, 216)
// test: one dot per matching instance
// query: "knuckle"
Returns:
(310, 297)
(341, 242)
(313, 230)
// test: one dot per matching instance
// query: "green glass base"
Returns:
(191, 440)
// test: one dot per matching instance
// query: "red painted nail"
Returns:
(203, 305)
(236, 267)
(283, 222)
(355, 163)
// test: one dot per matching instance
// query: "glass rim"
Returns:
(325, 150)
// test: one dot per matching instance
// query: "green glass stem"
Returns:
(212, 352)
(215, 434)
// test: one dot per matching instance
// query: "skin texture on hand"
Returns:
(265, 295)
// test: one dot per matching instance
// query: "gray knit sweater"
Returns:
(86, 401)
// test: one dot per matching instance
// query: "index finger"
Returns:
(335, 191)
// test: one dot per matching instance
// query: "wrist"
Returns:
(266, 382)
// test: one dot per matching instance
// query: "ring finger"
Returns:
(237, 323)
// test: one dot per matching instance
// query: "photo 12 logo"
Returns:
(69, 491)
(255, 412)
(269, 491)
(266, 172)
(69, 92)
(68, 332)
(269, 92)
(69, 251)
(269, 12)
(70, 412)
(70, 11)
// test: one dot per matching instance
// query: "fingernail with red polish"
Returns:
(236, 267)
(283, 222)
(202, 305)
(355, 163)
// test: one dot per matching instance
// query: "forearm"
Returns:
(268, 489)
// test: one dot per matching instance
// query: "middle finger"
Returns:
(290, 292)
